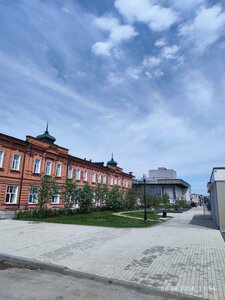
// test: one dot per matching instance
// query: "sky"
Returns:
(143, 79)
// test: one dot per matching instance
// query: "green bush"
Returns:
(40, 213)
(85, 198)
(115, 200)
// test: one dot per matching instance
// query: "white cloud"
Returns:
(133, 72)
(151, 61)
(169, 52)
(154, 74)
(114, 79)
(151, 64)
(106, 23)
(157, 17)
(206, 28)
(198, 93)
(117, 34)
(160, 43)
(158, 73)
(187, 4)
(102, 48)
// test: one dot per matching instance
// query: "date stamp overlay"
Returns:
(188, 288)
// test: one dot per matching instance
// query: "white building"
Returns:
(164, 181)
(162, 173)
(216, 188)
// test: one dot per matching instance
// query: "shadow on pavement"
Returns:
(203, 221)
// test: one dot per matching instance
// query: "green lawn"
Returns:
(140, 214)
(105, 218)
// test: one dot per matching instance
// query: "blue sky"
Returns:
(143, 79)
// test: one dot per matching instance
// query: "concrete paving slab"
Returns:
(185, 254)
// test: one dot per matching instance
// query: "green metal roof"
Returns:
(46, 137)
(112, 162)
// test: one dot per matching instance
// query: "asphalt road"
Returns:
(18, 283)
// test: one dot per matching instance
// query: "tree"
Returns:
(115, 200)
(165, 198)
(44, 190)
(130, 198)
(85, 197)
(70, 193)
(152, 201)
(101, 194)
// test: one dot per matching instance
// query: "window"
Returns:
(75, 202)
(126, 183)
(115, 181)
(55, 196)
(99, 178)
(93, 177)
(37, 166)
(111, 180)
(70, 172)
(104, 179)
(33, 197)
(58, 170)
(123, 183)
(11, 194)
(16, 162)
(85, 175)
(48, 168)
(78, 174)
(1, 158)
(119, 182)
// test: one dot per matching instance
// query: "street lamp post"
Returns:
(145, 203)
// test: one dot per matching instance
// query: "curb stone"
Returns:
(122, 283)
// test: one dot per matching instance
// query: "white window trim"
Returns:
(39, 166)
(111, 180)
(57, 195)
(18, 162)
(93, 177)
(78, 174)
(99, 178)
(104, 179)
(60, 170)
(16, 193)
(2, 158)
(36, 200)
(85, 175)
(50, 169)
(70, 172)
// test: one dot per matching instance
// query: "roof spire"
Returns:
(46, 131)
(46, 137)
(112, 162)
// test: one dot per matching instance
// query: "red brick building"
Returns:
(22, 162)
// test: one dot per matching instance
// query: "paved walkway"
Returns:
(185, 254)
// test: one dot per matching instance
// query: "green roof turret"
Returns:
(46, 137)
(112, 162)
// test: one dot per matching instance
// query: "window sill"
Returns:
(7, 203)
(15, 171)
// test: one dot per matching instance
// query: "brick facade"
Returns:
(22, 162)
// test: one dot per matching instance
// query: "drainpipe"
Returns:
(22, 176)
(67, 170)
